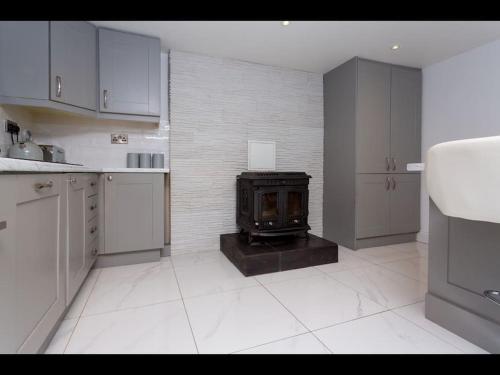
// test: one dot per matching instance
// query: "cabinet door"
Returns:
(73, 63)
(76, 260)
(8, 341)
(133, 211)
(129, 73)
(39, 259)
(372, 205)
(373, 117)
(405, 203)
(24, 59)
(405, 117)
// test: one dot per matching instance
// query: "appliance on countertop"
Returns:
(25, 149)
(53, 154)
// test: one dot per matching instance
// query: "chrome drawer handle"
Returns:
(93, 207)
(387, 165)
(387, 183)
(393, 184)
(393, 164)
(72, 180)
(92, 184)
(92, 230)
(493, 296)
(41, 185)
(94, 252)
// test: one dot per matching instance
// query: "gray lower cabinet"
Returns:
(372, 126)
(387, 204)
(73, 63)
(129, 73)
(33, 244)
(372, 205)
(133, 212)
(82, 230)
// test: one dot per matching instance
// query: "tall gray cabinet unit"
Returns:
(372, 131)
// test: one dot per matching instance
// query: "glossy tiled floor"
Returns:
(369, 302)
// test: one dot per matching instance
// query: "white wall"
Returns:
(87, 141)
(461, 99)
(217, 105)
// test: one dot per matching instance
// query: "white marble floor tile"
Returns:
(194, 259)
(382, 333)
(287, 275)
(386, 287)
(346, 262)
(61, 337)
(419, 248)
(302, 344)
(416, 268)
(212, 277)
(76, 308)
(320, 301)
(161, 328)
(236, 320)
(416, 314)
(132, 286)
(384, 254)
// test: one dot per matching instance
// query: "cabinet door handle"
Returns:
(72, 180)
(92, 184)
(41, 185)
(93, 207)
(105, 100)
(387, 183)
(393, 164)
(94, 252)
(58, 86)
(493, 296)
(393, 184)
(110, 178)
(387, 166)
(3, 224)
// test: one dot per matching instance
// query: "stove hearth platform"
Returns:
(277, 254)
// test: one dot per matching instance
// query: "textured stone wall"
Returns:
(217, 105)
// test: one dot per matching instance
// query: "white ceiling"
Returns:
(318, 46)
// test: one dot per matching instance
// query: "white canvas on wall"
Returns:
(261, 156)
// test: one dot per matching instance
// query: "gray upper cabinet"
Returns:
(405, 117)
(373, 117)
(372, 129)
(24, 59)
(129, 73)
(133, 212)
(73, 63)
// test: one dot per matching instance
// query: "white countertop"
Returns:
(31, 166)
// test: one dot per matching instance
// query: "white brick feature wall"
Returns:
(217, 105)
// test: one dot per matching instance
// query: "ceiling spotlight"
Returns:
(285, 23)
(395, 47)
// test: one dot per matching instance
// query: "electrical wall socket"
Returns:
(119, 139)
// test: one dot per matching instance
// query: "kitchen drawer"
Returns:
(31, 187)
(91, 207)
(92, 230)
(92, 186)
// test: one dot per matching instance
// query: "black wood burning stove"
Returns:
(272, 204)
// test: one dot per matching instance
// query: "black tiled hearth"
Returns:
(277, 254)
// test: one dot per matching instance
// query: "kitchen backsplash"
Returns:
(87, 141)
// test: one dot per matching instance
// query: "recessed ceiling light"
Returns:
(395, 47)
(285, 23)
